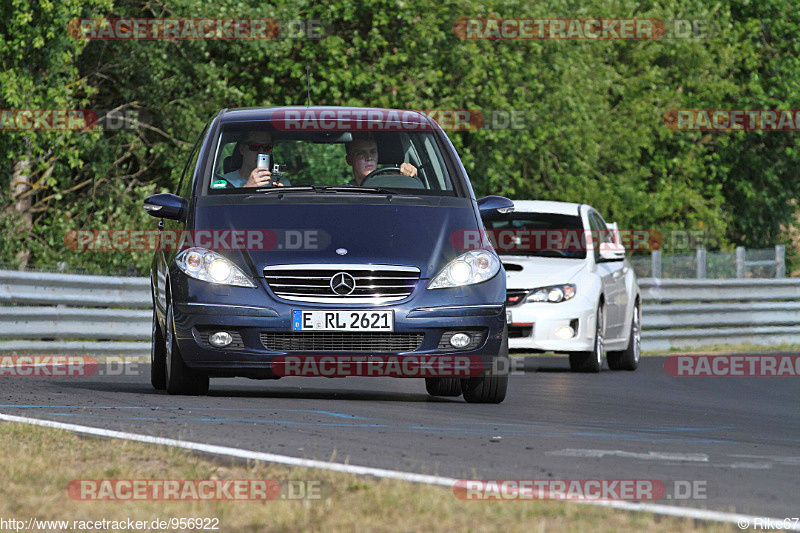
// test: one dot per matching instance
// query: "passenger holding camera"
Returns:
(251, 174)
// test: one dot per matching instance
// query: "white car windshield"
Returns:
(539, 235)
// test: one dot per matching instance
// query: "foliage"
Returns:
(594, 129)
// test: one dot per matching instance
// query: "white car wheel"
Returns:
(628, 359)
(591, 361)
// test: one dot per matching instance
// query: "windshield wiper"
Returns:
(353, 188)
(292, 188)
(323, 188)
(326, 189)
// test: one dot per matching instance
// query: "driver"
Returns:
(254, 143)
(362, 155)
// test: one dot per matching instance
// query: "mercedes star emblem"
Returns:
(341, 251)
(343, 284)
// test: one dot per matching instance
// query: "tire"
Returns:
(443, 386)
(591, 361)
(158, 370)
(180, 379)
(492, 386)
(628, 359)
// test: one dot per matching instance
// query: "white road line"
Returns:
(684, 512)
(773, 458)
(655, 456)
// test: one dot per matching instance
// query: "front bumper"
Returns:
(200, 308)
(533, 326)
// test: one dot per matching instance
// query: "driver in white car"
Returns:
(362, 155)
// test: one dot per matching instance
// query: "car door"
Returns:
(613, 278)
(183, 189)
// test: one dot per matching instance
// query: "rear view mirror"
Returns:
(495, 207)
(166, 205)
(610, 251)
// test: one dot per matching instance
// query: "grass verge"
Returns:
(39, 463)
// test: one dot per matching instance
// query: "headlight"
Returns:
(467, 269)
(205, 265)
(553, 294)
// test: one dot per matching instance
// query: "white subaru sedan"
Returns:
(570, 288)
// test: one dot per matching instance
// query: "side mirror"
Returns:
(610, 251)
(166, 205)
(495, 207)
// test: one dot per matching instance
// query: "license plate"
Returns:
(342, 321)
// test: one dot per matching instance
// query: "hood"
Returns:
(533, 272)
(371, 230)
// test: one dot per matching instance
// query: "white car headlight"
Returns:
(467, 269)
(205, 265)
(553, 294)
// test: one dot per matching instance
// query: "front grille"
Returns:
(374, 284)
(330, 341)
(515, 297)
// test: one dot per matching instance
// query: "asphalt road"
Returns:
(738, 439)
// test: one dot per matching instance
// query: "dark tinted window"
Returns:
(539, 234)
(316, 158)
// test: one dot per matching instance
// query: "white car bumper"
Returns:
(534, 325)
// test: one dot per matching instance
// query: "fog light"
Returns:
(220, 339)
(460, 340)
(565, 332)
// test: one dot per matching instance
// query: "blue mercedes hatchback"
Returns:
(327, 241)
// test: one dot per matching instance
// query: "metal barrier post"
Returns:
(655, 259)
(740, 262)
(701, 263)
(780, 261)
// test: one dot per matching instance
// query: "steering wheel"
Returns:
(378, 171)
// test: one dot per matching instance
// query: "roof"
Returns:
(329, 113)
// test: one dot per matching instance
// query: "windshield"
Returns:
(252, 159)
(539, 234)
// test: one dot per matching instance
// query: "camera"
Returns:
(265, 161)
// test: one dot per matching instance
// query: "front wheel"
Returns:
(628, 359)
(491, 387)
(443, 386)
(158, 376)
(591, 361)
(180, 378)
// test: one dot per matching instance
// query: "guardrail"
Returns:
(691, 313)
(48, 314)
(714, 265)
(60, 314)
